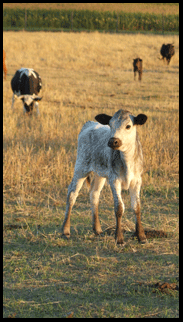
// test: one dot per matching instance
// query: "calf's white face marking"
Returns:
(27, 71)
(27, 99)
(123, 129)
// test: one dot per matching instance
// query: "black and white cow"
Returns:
(26, 84)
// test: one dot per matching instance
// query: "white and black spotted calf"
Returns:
(26, 84)
(110, 148)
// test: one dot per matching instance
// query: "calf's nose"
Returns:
(114, 143)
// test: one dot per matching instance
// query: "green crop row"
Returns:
(87, 20)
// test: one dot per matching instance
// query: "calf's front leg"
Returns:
(96, 187)
(119, 209)
(36, 106)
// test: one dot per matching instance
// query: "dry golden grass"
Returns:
(85, 74)
(162, 8)
(82, 75)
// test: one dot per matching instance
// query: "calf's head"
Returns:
(123, 128)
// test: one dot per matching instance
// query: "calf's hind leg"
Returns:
(135, 204)
(72, 194)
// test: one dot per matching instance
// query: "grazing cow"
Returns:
(110, 148)
(137, 67)
(4, 64)
(167, 51)
(26, 84)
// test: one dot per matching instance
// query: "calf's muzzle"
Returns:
(114, 143)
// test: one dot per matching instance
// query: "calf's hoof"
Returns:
(65, 232)
(120, 242)
(65, 236)
(142, 239)
(140, 234)
(97, 232)
(119, 239)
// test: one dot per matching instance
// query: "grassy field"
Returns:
(85, 74)
(164, 8)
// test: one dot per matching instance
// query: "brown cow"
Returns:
(137, 64)
(4, 64)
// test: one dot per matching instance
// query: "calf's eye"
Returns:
(128, 127)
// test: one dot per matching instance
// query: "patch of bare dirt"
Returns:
(11, 226)
(149, 233)
(154, 234)
(165, 287)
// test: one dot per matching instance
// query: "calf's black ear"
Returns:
(38, 98)
(140, 119)
(103, 118)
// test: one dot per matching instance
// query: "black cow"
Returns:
(167, 51)
(26, 84)
(137, 65)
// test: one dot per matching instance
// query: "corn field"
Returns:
(78, 20)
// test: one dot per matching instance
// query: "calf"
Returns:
(167, 51)
(4, 64)
(109, 148)
(137, 67)
(26, 84)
